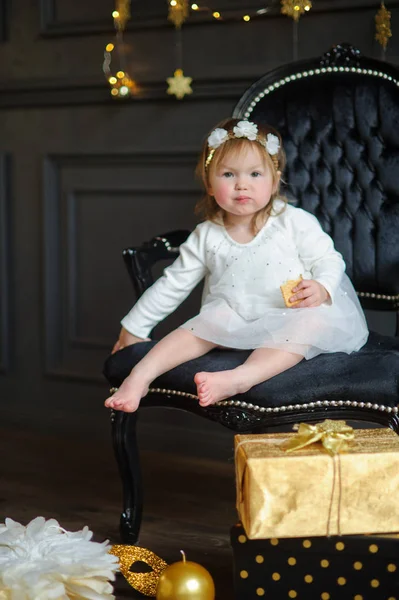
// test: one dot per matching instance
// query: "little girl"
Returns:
(250, 244)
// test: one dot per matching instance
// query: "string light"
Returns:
(232, 14)
(122, 85)
(291, 8)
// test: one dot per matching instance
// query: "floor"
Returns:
(189, 496)
(189, 501)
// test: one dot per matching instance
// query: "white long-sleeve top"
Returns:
(246, 276)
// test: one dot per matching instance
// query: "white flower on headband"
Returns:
(246, 129)
(218, 137)
(272, 144)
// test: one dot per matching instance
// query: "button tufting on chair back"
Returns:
(341, 134)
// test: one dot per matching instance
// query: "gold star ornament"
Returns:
(295, 8)
(383, 26)
(179, 85)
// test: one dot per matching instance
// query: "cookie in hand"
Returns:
(286, 290)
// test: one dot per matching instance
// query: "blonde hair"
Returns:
(207, 207)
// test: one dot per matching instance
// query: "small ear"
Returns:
(209, 190)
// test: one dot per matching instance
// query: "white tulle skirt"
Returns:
(336, 327)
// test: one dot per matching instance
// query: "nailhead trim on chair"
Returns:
(378, 296)
(168, 247)
(277, 409)
(312, 73)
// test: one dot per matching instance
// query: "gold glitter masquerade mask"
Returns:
(243, 129)
(145, 583)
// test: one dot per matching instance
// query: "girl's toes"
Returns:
(200, 379)
(204, 395)
(206, 401)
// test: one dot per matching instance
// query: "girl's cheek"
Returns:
(223, 190)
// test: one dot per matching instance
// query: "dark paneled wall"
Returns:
(82, 176)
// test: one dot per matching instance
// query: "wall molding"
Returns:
(4, 20)
(61, 297)
(5, 260)
(74, 338)
(51, 26)
(69, 92)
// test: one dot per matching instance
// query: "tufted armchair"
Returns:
(339, 118)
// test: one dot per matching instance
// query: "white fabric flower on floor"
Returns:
(42, 561)
(246, 129)
(217, 137)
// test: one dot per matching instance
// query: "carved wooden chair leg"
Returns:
(124, 438)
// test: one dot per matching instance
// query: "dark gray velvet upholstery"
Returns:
(341, 136)
(367, 375)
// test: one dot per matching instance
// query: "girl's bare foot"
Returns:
(213, 387)
(128, 396)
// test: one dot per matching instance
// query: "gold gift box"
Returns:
(311, 493)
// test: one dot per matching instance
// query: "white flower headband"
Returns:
(245, 129)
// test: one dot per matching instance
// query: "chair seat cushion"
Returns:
(370, 375)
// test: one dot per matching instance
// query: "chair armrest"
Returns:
(140, 260)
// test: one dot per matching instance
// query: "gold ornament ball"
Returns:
(185, 580)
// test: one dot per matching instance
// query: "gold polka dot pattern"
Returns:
(325, 563)
(259, 559)
(340, 546)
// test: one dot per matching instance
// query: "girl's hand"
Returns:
(126, 339)
(310, 292)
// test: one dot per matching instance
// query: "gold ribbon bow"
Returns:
(334, 435)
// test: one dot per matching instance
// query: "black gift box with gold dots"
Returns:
(352, 567)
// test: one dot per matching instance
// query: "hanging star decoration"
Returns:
(295, 8)
(383, 26)
(179, 85)
(178, 12)
(144, 582)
